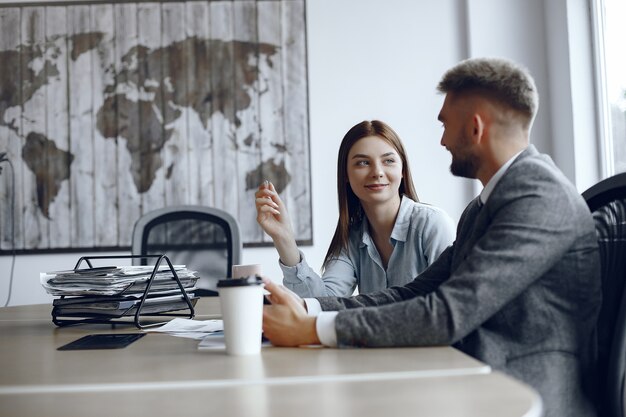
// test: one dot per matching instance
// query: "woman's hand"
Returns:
(273, 218)
(272, 214)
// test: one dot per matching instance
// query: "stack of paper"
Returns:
(115, 280)
(117, 291)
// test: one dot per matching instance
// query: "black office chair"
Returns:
(607, 202)
(205, 239)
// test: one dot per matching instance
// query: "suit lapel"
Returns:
(475, 219)
(469, 231)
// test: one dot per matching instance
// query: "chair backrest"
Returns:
(205, 239)
(607, 202)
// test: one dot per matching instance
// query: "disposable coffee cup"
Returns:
(242, 312)
(242, 271)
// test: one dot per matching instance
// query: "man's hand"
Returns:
(285, 322)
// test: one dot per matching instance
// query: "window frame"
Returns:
(605, 124)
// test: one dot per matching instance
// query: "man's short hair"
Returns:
(503, 80)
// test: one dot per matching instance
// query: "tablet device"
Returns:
(103, 341)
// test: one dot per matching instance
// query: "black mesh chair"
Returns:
(205, 239)
(607, 202)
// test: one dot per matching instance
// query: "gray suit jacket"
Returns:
(519, 289)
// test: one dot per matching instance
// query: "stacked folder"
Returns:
(117, 291)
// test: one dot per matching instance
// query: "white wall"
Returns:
(382, 59)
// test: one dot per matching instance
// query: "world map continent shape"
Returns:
(221, 80)
(217, 88)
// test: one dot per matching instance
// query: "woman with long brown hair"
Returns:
(384, 235)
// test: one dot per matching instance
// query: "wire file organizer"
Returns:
(137, 309)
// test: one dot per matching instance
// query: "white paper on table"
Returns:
(192, 329)
(213, 341)
(216, 341)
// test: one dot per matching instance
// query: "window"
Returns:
(610, 32)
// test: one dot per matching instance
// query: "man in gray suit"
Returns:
(519, 289)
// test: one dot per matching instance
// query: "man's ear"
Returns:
(478, 127)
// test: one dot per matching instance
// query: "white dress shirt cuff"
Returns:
(325, 327)
(313, 307)
(325, 323)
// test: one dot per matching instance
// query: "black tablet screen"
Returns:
(103, 341)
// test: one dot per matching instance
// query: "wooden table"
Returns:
(162, 375)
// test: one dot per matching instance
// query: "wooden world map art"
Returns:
(111, 110)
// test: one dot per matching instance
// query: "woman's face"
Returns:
(374, 170)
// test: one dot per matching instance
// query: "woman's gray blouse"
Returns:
(420, 234)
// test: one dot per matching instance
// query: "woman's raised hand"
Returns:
(272, 214)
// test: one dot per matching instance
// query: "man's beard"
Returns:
(464, 165)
